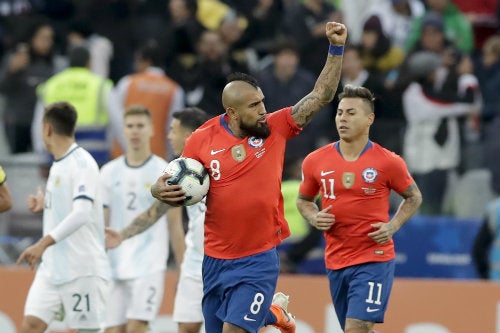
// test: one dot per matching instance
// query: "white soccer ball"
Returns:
(192, 176)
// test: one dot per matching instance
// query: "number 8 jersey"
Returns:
(244, 204)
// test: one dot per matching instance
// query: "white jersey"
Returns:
(193, 256)
(126, 192)
(74, 176)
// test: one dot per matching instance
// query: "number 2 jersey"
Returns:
(126, 192)
(358, 192)
(244, 204)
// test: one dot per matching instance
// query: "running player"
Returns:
(355, 177)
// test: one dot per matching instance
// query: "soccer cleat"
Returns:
(285, 321)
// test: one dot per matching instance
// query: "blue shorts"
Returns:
(239, 291)
(361, 291)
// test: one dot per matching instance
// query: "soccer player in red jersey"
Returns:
(243, 151)
(354, 177)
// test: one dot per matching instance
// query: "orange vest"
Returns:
(156, 93)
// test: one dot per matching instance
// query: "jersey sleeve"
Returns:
(282, 121)
(400, 177)
(191, 147)
(86, 182)
(308, 186)
(105, 184)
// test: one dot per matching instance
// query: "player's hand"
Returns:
(31, 255)
(173, 195)
(113, 238)
(35, 202)
(384, 232)
(336, 33)
(323, 219)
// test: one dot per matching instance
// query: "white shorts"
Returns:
(138, 299)
(81, 302)
(187, 304)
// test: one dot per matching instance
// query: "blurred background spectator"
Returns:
(388, 128)
(488, 73)
(80, 33)
(29, 63)
(152, 89)
(205, 77)
(432, 138)
(284, 83)
(377, 52)
(456, 26)
(305, 23)
(89, 93)
(486, 251)
(397, 18)
(181, 33)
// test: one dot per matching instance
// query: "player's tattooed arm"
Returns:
(322, 94)
(328, 80)
(409, 206)
(145, 220)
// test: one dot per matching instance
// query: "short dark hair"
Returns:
(351, 91)
(237, 76)
(79, 56)
(62, 116)
(284, 44)
(81, 26)
(191, 117)
(192, 6)
(150, 51)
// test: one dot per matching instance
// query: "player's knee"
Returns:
(358, 326)
(189, 327)
(137, 326)
(33, 325)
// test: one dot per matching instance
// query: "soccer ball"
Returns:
(192, 176)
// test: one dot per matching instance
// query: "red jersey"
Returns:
(244, 204)
(358, 192)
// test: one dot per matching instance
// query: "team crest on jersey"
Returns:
(147, 185)
(255, 142)
(238, 152)
(348, 179)
(369, 175)
(57, 182)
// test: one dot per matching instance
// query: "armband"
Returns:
(336, 50)
(2, 176)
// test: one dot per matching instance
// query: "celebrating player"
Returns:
(355, 177)
(243, 151)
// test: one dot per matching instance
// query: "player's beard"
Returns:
(261, 130)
